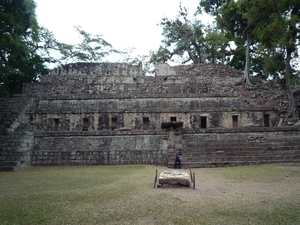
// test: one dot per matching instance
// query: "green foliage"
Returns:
(182, 38)
(270, 28)
(20, 61)
(231, 19)
(273, 63)
(237, 61)
(216, 43)
(210, 6)
(188, 40)
(279, 32)
(26, 48)
(162, 55)
(127, 57)
(93, 48)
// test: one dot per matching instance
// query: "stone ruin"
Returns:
(111, 113)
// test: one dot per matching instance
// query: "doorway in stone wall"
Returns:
(235, 121)
(203, 123)
(266, 120)
(146, 123)
(114, 123)
(85, 126)
(56, 124)
(173, 137)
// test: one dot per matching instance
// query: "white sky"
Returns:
(122, 23)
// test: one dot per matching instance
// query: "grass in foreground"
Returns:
(264, 194)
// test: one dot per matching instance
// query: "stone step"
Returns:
(10, 163)
(8, 168)
(197, 164)
(245, 157)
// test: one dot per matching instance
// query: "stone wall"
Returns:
(98, 113)
(100, 69)
(95, 149)
(209, 148)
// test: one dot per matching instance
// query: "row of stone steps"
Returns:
(15, 150)
(244, 155)
(11, 112)
(186, 165)
(9, 165)
(16, 139)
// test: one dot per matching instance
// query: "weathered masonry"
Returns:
(111, 113)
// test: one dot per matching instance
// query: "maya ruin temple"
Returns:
(111, 113)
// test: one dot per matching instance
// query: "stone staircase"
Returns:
(16, 137)
(238, 152)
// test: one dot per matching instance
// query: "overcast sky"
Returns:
(122, 23)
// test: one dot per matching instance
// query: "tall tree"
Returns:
(19, 59)
(92, 48)
(182, 38)
(216, 43)
(231, 17)
(279, 32)
(212, 7)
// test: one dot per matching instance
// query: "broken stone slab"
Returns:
(123, 129)
(280, 122)
(251, 125)
(164, 69)
(297, 124)
(174, 178)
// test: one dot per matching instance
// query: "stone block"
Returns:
(175, 177)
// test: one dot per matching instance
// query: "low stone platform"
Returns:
(174, 177)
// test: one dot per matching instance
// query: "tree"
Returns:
(93, 48)
(210, 6)
(26, 48)
(216, 43)
(127, 57)
(232, 16)
(182, 38)
(236, 21)
(19, 59)
(271, 31)
(279, 33)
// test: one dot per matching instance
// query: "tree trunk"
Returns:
(213, 55)
(195, 60)
(247, 64)
(291, 112)
(223, 53)
(223, 58)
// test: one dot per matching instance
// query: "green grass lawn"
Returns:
(263, 194)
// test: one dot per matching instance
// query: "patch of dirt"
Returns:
(212, 186)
